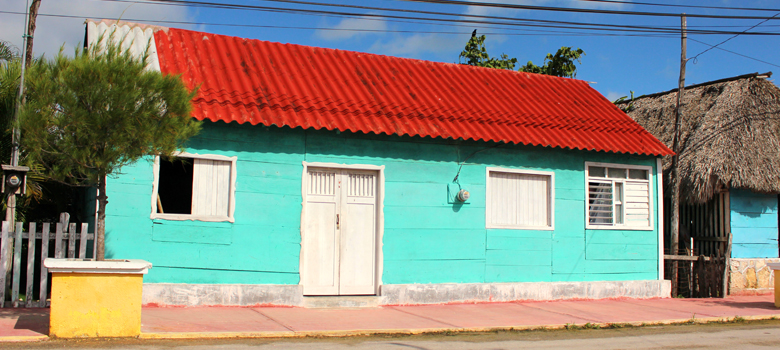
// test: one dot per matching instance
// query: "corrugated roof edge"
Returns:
(444, 138)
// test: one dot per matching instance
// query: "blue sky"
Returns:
(615, 64)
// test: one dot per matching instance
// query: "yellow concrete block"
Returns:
(95, 305)
(777, 288)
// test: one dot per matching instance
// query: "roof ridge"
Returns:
(420, 61)
(119, 23)
(718, 81)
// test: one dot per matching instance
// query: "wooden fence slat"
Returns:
(17, 264)
(72, 241)
(5, 236)
(58, 241)
(83, 241)
(11, 259)
(44, 292)
(28, 294)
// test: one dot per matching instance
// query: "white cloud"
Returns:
(614, 95)
(418, 44)
(493, 11)
(52, 32)
(362, 23)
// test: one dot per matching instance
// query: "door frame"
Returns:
(380, 217)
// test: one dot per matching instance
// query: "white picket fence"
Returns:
(12, 239)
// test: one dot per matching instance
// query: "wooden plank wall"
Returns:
(708, 225)
(427, 239)
(754, 224)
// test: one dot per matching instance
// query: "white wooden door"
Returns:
(339, 243)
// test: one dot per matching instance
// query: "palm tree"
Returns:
(8, 52)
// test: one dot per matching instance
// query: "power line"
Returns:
(555, 33)
(539, 32)
(681, 6)
(577, 10)
(732, 52)
(311, 3)
(509, 21)
(724, 41)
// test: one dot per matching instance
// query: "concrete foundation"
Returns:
(175, 294)
(751, 276)
(406, 294)
(165, 294)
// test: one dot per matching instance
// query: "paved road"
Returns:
(747, 335)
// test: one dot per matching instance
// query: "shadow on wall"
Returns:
(373, 148)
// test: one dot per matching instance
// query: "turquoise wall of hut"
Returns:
(426, 238)
(753, 224)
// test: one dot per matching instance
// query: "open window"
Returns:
(194, 187)
(618, 196)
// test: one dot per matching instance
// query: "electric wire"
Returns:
(576, 10)
(342, 14)
(539, 32)
(732, 52)
(680, 5)
(510, 21)
(724, 41)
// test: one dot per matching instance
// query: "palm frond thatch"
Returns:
(729, 134)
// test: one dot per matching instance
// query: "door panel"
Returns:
(358, 234)
(321, 237)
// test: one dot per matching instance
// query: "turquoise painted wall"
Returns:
(753, 224)
(426, 239)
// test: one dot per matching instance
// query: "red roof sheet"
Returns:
(260, 82)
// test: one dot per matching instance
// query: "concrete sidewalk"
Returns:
(229, 322)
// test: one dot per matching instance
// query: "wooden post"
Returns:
(72, 241)
(33, 15)
(62, 228)
(727, 267)
(675, 229)
(83, 241)
(58, 240)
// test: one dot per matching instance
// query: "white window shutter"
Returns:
(210, 187)
(519, 200)
(637, 203)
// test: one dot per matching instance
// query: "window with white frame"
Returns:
(519, 199)
(194, 187)
(618, 196)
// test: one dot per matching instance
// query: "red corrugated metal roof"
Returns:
(261, 82)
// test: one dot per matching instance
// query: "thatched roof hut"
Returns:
(729, 134)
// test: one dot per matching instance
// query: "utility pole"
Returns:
(10, 211)
(30, 30)
(674, 246)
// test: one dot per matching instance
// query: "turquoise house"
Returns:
(380, 180)
(730, 170)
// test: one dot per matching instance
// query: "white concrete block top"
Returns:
(132, 266)
(774, 266)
